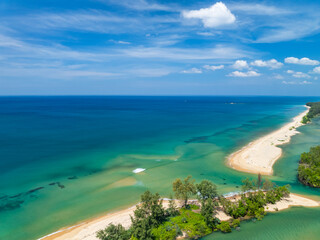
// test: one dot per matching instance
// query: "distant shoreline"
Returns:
(260, 155)
(87, 229)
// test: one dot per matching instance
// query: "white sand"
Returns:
(87, 230)
(293, 200)
(260, 155)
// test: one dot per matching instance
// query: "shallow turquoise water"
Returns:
(66, 159)
(292, 224)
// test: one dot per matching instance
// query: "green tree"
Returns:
(191, 223)
(247, 185)
(305, 119)
(235, 223)
(184, 189)
(172, 209)
(267, 185)
(148, 215)
(167, 231)
(206, 190)
(208, 211)
(113, 232)
(309, 167)
(224, 227)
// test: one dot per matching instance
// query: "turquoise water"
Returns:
(292, 224)
(66, 159)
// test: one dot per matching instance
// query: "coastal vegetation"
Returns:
(309, 167)
(314, 111)
(196, 218)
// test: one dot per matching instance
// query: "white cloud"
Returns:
(119, 42)
(244, 74)
(218, 52)
(215, 16)
(206, 34)
(298, 74)
(288, 83)
(140, 5)
(301, 61)
(259, 9)
(240, 64)
(305, 82)
(150, 72)
(193, 70)
(296, 83)
(88, 20)
(273, 63)
(55, 73)
(290, 28)
(316, 70)
(278, 76)
(213, 68)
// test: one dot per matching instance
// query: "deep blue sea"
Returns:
(66, 159)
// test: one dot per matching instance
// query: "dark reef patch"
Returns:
(35, 189)
(10, 205)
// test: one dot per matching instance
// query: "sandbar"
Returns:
(260, 155)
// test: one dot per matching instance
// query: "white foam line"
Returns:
(62, 230)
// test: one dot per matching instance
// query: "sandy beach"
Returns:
(260, 155)
(87, 230)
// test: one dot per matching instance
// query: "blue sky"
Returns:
(157, 47)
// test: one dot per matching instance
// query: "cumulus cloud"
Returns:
(215, 16)
(213, 68)
(298, 74)
(244, 74)
(240, 64)
(301, 61)
(193, 70)
(316, 70)
(273, 63)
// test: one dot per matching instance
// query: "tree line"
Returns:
(195, 219)
(314, 111)
(309, 167)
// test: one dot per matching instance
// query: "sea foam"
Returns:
(138, 170)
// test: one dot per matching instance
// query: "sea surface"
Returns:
(67, 159)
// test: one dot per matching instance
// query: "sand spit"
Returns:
(260, 155)
(87, 230)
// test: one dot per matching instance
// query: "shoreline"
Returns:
(87, 229)
(260, 155)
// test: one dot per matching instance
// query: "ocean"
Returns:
(67, 159)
